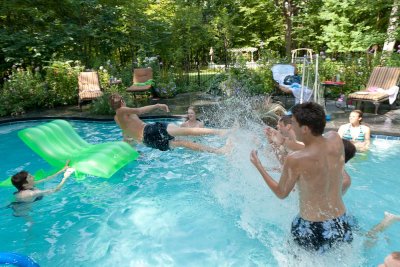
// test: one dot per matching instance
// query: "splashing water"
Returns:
(178, 208)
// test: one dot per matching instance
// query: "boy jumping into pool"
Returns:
(27, 192)
(317, 169)
(158, 135)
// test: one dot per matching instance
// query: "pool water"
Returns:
(185, 208)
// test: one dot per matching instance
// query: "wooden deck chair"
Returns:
(142, 81)
(379, 88)
(89, 87)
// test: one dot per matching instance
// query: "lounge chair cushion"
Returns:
(136, 88)
(142, 80)
(89, 95)
(372, 96)
(89, 86)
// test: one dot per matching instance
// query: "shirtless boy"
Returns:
(158, 135)
(317, 169)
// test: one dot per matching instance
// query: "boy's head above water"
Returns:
(21, 180)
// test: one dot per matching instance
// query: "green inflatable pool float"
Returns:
(56, 142)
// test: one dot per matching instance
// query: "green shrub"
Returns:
(23, 90)
(101, 106)
(166, 89)
(393, 60)
(62, 82)
(247, 82)
(354, 71)
(214, 87)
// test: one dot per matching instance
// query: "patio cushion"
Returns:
(89, 95)
(372, 96)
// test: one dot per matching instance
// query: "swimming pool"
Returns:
(182, 208)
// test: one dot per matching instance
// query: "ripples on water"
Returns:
(183, 208)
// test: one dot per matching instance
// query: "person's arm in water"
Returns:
(67, 174)
(286, 182)
(54, 175)
(387, 221)
(31, 195)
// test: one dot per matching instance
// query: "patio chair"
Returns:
(381, 86)
(142, 81)
(280, 72)
(89, 87)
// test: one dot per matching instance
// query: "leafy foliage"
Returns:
(22, 91)
(120, 35)
(62, 83)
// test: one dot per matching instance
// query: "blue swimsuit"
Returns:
(155, 135)
(360, 137)
(321, 236)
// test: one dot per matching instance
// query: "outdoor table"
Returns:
(114, 82)
(327, 84)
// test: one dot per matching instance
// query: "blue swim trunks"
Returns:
(321, 236)
(155, 135)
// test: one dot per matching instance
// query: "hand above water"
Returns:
(68, 172)
(163, 107)
(254, 158)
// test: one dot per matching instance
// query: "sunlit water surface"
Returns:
(185, 208)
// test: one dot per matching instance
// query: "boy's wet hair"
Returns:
(286, 119)
(115, 101)
(312, 115)
(19, 179)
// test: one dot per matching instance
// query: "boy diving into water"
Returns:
(158, 135)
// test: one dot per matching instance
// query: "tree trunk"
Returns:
(391, 31)
(226, 51)
(288, 13)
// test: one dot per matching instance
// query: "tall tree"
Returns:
(392, 28)
(353, 25)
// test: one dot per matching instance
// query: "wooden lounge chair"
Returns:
(142, 81)
(280, 72)
(381, 77)
(89, 87)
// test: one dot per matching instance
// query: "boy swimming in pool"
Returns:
(317, 169)
(27, 192)
(158, 135)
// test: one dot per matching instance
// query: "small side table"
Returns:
(327, 84)
(114, 82)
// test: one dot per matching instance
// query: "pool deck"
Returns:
(386, 123)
